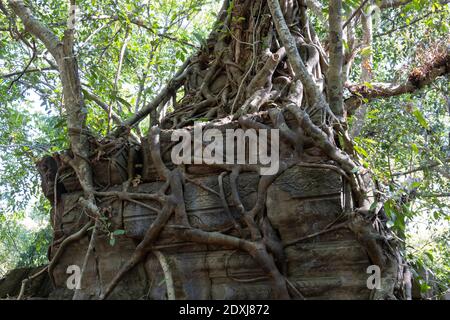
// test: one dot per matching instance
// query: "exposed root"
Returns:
(369, 239)
(144, 246)
(257, 250)
(201, 185)
(90, 249)
(168, 279)
(67, 241)
(295, 290)
(255, 279)
(310, 236)
(225, 203)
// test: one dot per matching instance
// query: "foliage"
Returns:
(411, 132)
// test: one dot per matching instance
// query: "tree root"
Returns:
(168, 279)
(175, 204)
(225, 203)
(143, 248)
(76, 295)
(70, 239)
(369, 240)
(257, 250)
(310, 236)
(240, 280)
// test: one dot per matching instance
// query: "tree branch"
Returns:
(316, 7)
(418, 79)
(335, 86)
(4, 10)
(366, 68)
(36, 27)
(170, 88)
(114, 116)
(386, 4)
(421, 168)
(406, 25)
(92, 97)
(118, 72)
(433, 195)
(25, 71)
(33, 57)
(358, 10)
(141, 23)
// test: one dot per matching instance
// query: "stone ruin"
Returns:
(301, 203)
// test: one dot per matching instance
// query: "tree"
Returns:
(260, 57)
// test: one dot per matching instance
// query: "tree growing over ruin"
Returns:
(262, 66)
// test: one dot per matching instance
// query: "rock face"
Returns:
(39, 287)
(304, 200)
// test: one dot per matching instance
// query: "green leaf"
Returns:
(414, 148)
(355, 170)
(361, 151)
(371, 141)
(400, 223)
(368, 85)
(124, 102)
(119, 232)
(429, 255)
(346, 46)
(199, 38)
(424, 287)
(389, 210)
(366, 51)
(416, 184)
(419, 116)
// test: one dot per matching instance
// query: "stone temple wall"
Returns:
(303, 200)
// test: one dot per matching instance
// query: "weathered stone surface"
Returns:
(300, 202)
(111, 171)
(305, 199)
(204, 208)
(101, 268)
(38, 287)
